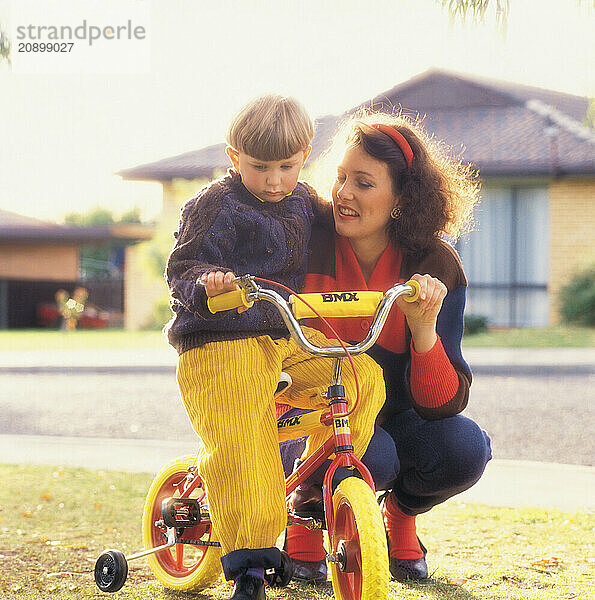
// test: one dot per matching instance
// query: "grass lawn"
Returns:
(51, 339)
(54, 522)
(35, 339)
(556, 336)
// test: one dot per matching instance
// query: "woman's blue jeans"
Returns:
(435, 459)
(423, 462)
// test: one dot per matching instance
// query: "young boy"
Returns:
(256, 219)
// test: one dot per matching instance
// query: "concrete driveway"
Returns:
(120, 409)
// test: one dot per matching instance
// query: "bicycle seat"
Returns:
(284, 383)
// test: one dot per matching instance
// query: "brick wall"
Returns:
(143, 289)
(572, 232)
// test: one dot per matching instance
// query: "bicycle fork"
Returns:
(343, 447)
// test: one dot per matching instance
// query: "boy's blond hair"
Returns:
(271, 127)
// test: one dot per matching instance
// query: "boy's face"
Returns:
(268, 180)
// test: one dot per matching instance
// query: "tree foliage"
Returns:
(156, 250)
(99, 216)
(577, 298)
(131, 216)
(476, 10)
(95, 217)
(589, 120)
(102, 260)
(4, 45)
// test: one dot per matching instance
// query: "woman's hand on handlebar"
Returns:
(218, 282)
(422, 315)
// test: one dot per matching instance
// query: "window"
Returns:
(506, 258)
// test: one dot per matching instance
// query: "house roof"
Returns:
(502, 128)
(23, 229)
(202, 163)
(437, 89)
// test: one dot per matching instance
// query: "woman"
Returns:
(394, 199)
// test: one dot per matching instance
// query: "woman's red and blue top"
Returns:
(435, 383)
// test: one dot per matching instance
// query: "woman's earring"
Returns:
(395, 213)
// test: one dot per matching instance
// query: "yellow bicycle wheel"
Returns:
(183, 567)
(360, 570)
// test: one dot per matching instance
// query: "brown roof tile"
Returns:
(504, 128)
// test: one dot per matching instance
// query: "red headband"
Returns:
(399, 140)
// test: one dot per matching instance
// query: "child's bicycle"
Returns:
(177, 532)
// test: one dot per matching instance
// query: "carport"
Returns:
(37, 258)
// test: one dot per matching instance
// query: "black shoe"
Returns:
(405, 569)
(309, 571)
(248, 587)
(408, 569)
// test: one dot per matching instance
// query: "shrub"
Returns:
(577, 298)
(475, 324)
(160, 315)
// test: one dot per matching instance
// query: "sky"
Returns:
(64, 136)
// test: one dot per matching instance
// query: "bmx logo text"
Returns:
(342, 297)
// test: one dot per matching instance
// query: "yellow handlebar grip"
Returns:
(337, 304)
(416, 290)
(228, 300)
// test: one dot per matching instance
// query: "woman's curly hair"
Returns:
(437, 194)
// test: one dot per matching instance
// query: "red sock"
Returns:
(304, 544)
(401, 531)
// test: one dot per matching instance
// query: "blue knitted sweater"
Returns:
(226, 228)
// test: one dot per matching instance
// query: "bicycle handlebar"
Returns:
(327, 304)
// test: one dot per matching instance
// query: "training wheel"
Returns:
(111, 570)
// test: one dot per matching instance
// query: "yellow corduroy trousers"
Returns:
(227, 389)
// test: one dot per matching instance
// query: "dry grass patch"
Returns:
(54, 522)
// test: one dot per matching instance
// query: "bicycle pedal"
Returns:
(180, 512)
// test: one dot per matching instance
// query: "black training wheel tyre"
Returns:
(281, 576)
(111, 570)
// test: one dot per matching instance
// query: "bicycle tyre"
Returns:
(200, 566)
(360, 544)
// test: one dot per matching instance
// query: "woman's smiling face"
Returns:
(363, 197)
